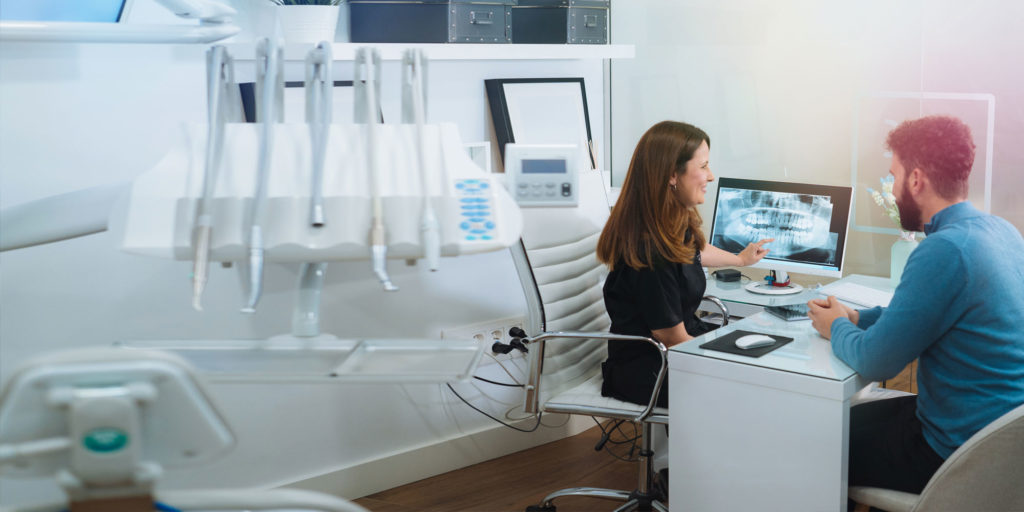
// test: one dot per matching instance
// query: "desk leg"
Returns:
(740, 446)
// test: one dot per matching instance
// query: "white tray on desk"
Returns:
(326, 359)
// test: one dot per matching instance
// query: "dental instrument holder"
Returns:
(777, 282)
(414, 111)
(367, 106)
(319, 90)
(270, 109)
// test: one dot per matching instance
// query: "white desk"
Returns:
(742, 303)
(768, 433)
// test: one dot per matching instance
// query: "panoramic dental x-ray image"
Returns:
(799, 223)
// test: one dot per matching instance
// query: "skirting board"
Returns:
(399, 469)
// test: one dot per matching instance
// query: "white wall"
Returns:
(784, 89)
(75, 116)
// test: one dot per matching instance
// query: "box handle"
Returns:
(590, 20)
(481, 17)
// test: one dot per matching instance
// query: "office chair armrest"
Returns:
(721, 305)
(533, 385)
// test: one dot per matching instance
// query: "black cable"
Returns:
(606, 438)
(499, 383)
(471, 406)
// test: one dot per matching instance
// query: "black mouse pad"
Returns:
(727, 343)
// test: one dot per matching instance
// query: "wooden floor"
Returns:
(513, 482)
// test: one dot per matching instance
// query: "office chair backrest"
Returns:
(562, 281)
(985, 473)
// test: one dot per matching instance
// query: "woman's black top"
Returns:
(638, 302)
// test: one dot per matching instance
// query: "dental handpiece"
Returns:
(368, 61)
(202, 232)
(430, 230)
(319, 83)
(269, 113)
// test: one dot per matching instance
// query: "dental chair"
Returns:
(567, 326)
(985, 473)
(106, 422)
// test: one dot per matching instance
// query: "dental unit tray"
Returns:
(476, 214)
(326, 359)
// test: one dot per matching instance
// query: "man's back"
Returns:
(974, 371)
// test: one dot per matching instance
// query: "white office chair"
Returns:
(985, 474)
(562, 280)
(105, 422)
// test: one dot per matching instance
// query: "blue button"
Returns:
(484, 185)
(483, 213)
(489, 225)
(478, 231)
(468, 200)
(460, 185)
(487, 237)
(476, 219)
(464, 225)
(469, 207)
(470, 237)
(469, 214)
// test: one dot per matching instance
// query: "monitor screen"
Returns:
(109, 11)
(546, 166)
(808, 223)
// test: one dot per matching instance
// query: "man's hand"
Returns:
(825, 311)
(753, 252)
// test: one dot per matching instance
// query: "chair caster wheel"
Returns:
(538, 508)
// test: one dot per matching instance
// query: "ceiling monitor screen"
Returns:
(808, 223)
(109, 11)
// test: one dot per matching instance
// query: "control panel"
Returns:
(543, 174)
(476, 219)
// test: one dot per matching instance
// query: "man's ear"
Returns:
(672, 180)
(917, 180)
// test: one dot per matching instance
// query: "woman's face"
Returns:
(692, 184)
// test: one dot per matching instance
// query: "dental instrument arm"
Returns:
(269, 80)
(414, 71)
(368, 69)
(206, 11)
(60, 217)
(214, 25)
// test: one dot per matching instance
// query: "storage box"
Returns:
(560, 21)
(430, 21)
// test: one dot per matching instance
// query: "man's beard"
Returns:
(910, 212)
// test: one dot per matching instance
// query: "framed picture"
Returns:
(295, 102)
(541, 111)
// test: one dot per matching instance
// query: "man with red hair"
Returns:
(959, 309)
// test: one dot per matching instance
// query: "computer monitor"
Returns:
(808, 223)
(93, 11)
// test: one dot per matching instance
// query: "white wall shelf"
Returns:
(440, 51)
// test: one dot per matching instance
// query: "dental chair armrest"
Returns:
(534, 380)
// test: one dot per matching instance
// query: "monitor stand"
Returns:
(770, 289)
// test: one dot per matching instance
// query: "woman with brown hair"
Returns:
(654, 249)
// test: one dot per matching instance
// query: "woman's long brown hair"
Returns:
(647, 218)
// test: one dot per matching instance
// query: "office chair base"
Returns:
(633, 500)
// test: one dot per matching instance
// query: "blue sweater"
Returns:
(960, 309)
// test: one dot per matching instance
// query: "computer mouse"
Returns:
(754, 341)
